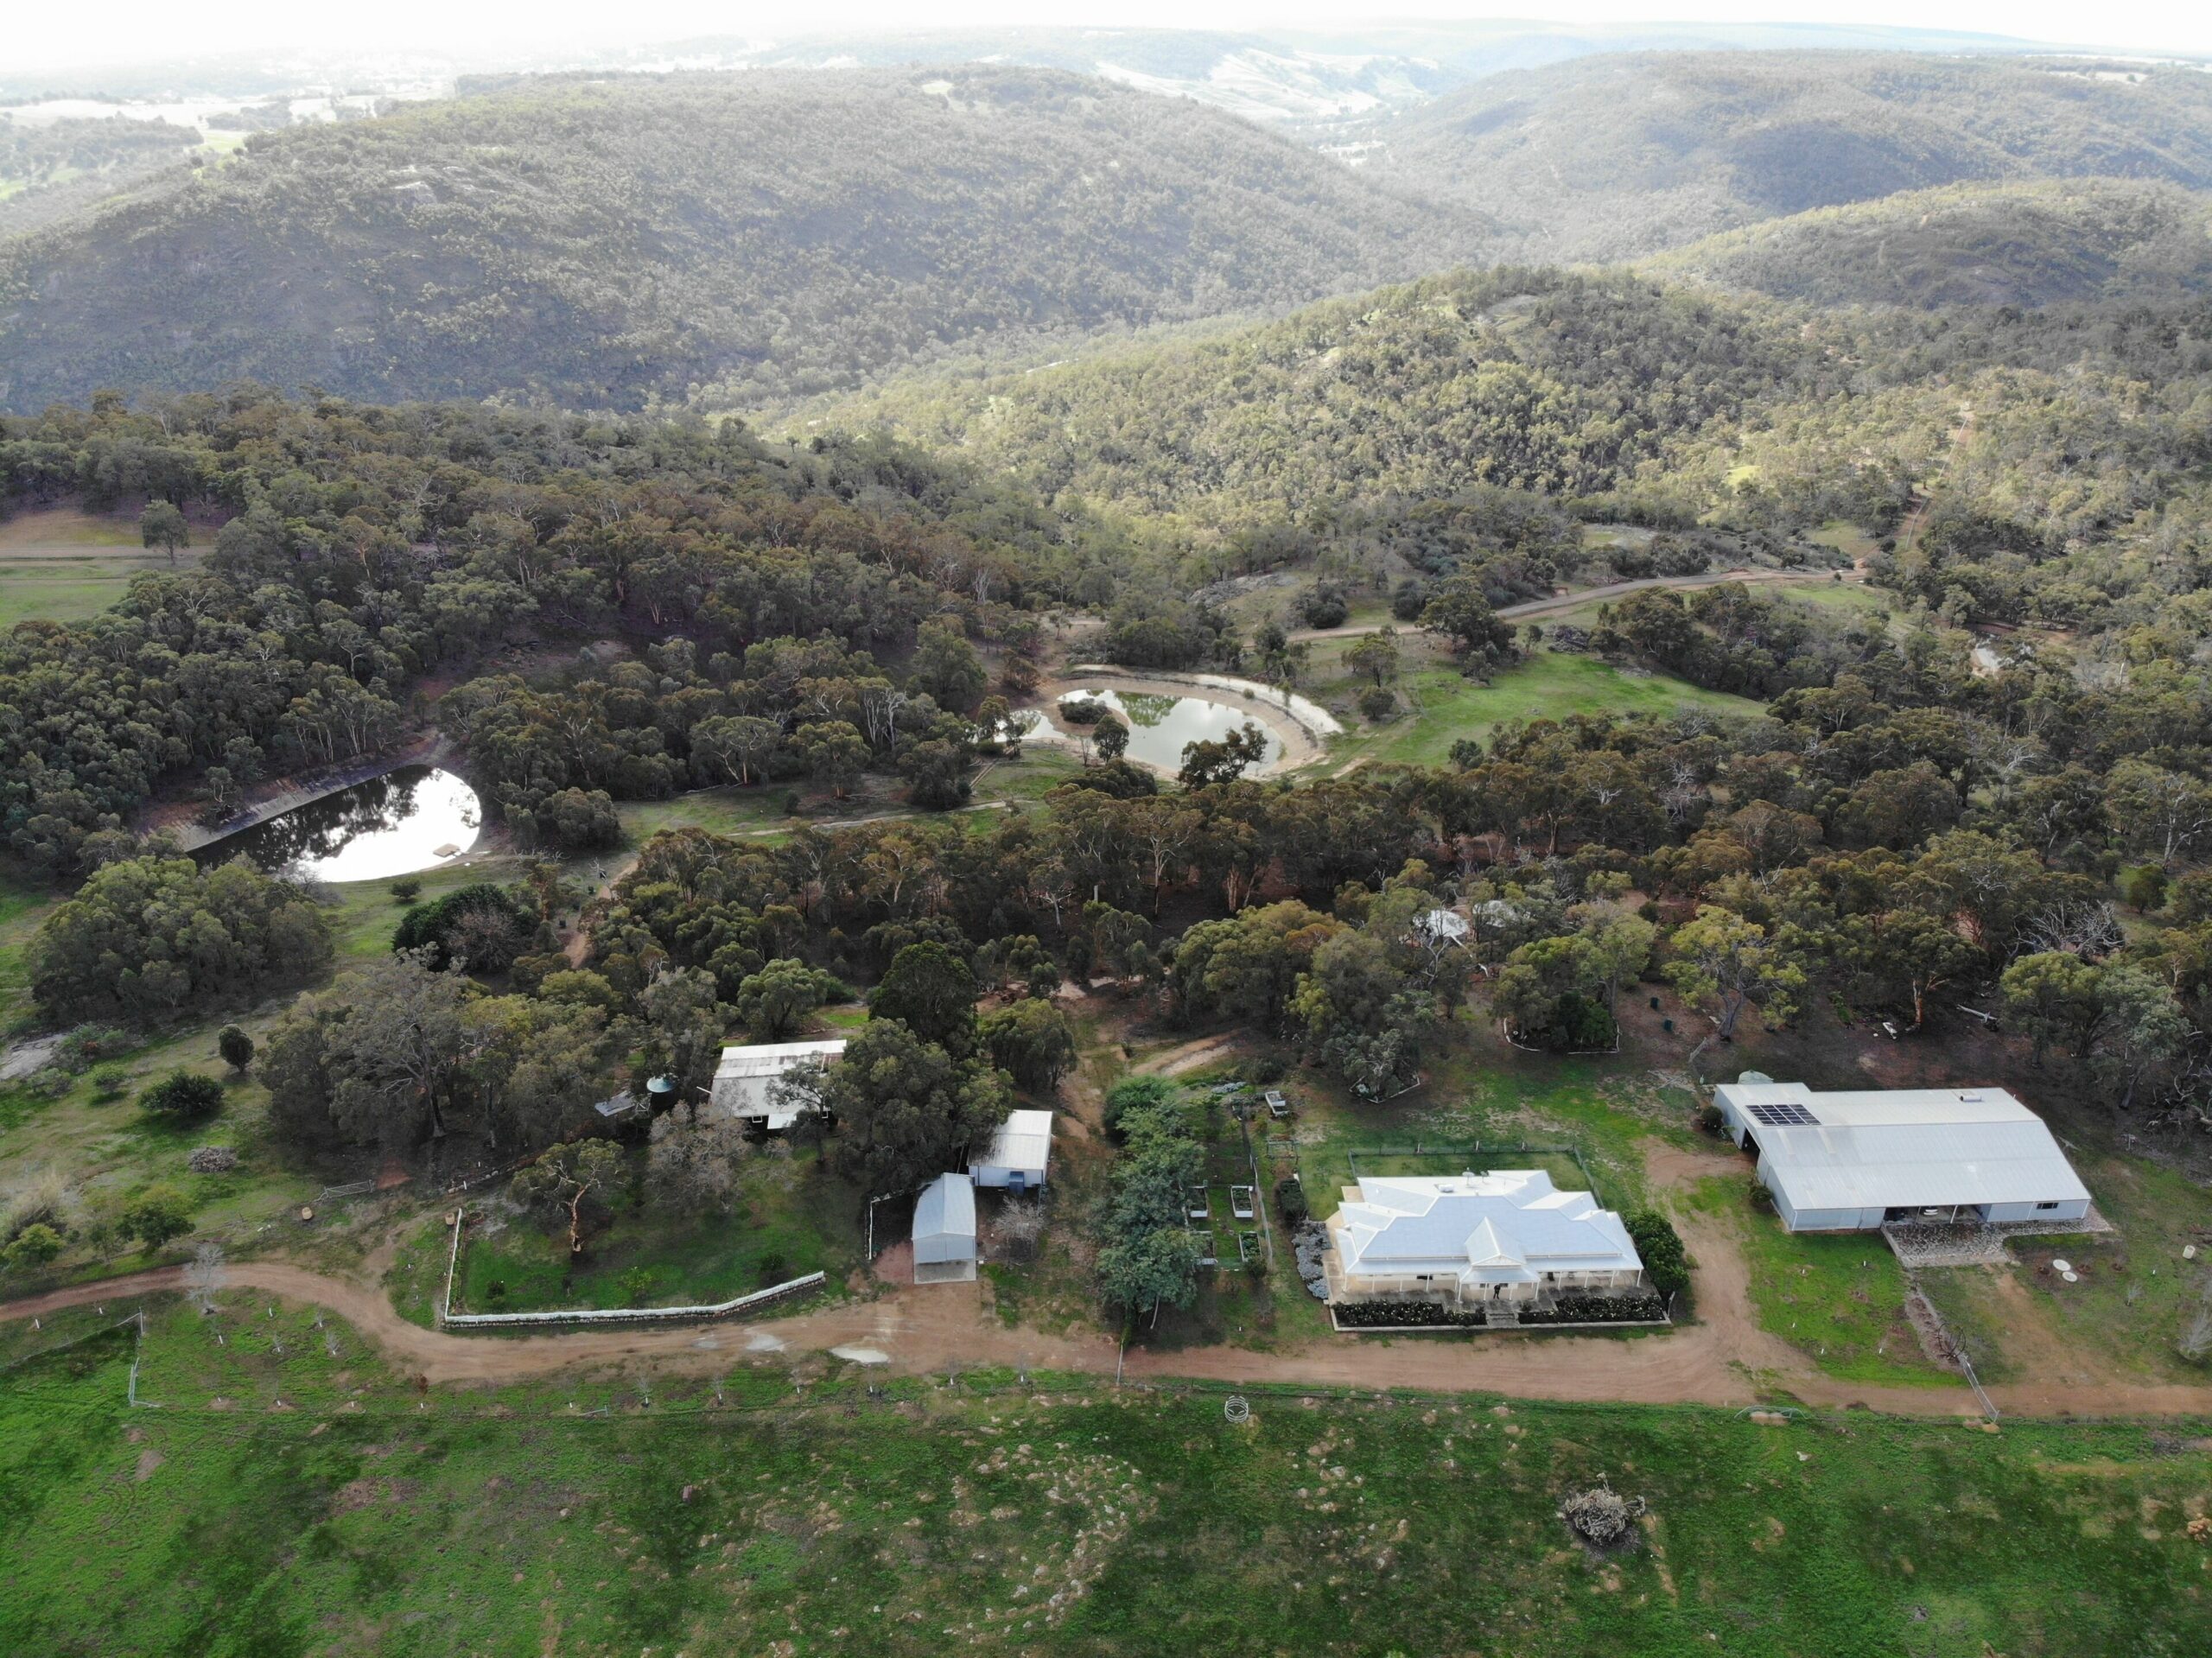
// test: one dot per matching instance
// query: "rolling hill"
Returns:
(2042, 243)
(1543, 380)
(1615, 157)
(610, 242)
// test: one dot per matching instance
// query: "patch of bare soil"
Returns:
(1191, 1056)
(1723, 1359)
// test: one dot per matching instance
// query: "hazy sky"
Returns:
(137, 31)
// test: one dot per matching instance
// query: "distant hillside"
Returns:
(50, 169)
(1615, 157)
(606, 243)
(2036, 244)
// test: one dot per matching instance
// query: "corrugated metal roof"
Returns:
(1908, 1148)
(945, 1213)
(1024, 1140)
(1510, 1223)
(774, 1058)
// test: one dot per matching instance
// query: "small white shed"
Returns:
(1018, 1153)
(945, 1232)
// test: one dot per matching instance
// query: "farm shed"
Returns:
(945, 1232)
(745, 1080)
(1852, 1162)
(1018, 1153)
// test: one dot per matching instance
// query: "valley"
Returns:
(1371, 840)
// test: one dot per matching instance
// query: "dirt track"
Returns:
(1530, 609)
(1726, 1360)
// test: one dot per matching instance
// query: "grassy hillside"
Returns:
(1614, 157)
(2041, 242)
(604, 243)
(598, 1516)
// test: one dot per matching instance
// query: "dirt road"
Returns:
(1726, 1360)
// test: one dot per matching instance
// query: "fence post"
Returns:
(453, 1261)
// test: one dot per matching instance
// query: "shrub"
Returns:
(1290, 1201)
(1398, 1315)
(110, 1082)
(1666, 1266)
(33, 1247)
(406, 890)
(155, 1215)
(1710, 1120)
(1083, 710)
(183, 1093)
(1323, 605)
(1762, 1198)
(90, 1044)
(235, 1046)
(1137, 1096)
(1598, 1309)
(1377, 703)
(1409, 600)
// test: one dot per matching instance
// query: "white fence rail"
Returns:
(451, 1320)
(638, 1315)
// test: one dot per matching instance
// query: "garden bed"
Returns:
(1578, 1312)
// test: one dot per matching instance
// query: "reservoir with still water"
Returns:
(1161, 725)
(415, 818)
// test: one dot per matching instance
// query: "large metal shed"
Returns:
(1854, 1161)
(945, 1232)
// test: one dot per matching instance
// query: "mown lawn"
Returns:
(1444, 706)
(629, 1514)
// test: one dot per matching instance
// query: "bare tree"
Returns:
(204, 1275)
(2086, 928)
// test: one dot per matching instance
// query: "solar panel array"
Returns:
(1784, 1116)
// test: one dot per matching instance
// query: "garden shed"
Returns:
(1018, 1153)
(945, 1232)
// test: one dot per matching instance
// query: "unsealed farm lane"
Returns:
(1725, 1360)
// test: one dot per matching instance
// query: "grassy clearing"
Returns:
(2134, 1293)
(792, 1217)
(1059, 1517)
(1838, 1298)
(24, 904)
(1481, 1093)
(1446, 707)
(64, 566)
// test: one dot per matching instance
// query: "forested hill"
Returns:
(1539, 380)
(1634, 399)
(2044, 243)
(1612, 157)
(606, 243)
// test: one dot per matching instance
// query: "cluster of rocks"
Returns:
(1308, 1244)
(212, 1159)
